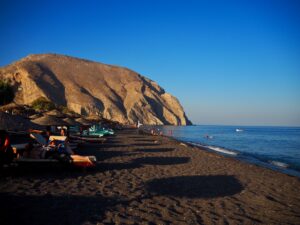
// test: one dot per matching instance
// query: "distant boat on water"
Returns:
(239, 130)
(208, 136)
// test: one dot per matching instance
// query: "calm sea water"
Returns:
(274, 147)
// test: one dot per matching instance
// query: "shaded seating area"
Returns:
(48, 137)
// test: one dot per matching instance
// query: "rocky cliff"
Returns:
(88, 87)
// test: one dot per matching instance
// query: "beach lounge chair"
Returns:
(19, 146)
(77, 160)
(58, 138)
(39, 138)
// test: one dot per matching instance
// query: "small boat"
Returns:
(208, 136)
(239, 130)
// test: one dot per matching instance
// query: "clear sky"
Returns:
(228, 62)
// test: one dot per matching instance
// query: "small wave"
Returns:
(279, 164)
(222, 150)
(216, 149)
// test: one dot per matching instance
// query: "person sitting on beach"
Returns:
(6, 151)
(48, 133)
(64, 133)
(80, 130)
(60, 146)
(56, 149)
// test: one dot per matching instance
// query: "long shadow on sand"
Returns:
(156, 150)
(103, 155)
(195, 186)
(49, 209)
(103, 146)
(102, 167)
(161, 160)
(144, 140)
(137, 137)
(61, 172)
(145, 144)
(100, 152)
(113, 142)
(107, 144)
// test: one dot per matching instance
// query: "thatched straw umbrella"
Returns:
(50, 121)
(34, 116)
(55, 113)
(73, 114)
(94, 118)
(14, 122)
(17, 109)
(71, 122)
(10, 107)
(84, 121)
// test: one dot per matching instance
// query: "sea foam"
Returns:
(279, 164)
(222, 150)
(216, 149)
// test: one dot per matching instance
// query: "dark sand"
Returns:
(142, 179)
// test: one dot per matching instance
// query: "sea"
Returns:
(277, 148)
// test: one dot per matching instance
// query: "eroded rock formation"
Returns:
(88, 87)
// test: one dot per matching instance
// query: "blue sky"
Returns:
(228, 62)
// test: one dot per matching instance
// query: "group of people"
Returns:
(156, 132)
(53, 148)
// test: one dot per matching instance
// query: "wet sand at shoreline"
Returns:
(142, 179)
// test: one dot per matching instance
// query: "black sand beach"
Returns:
(141, 179)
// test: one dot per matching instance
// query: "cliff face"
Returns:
(88, 87)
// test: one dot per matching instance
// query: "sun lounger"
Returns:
(73, 145)
(84, 161)
(19, 146)
(23, 159)
(39, 138)
(58, 138)
(77, 160)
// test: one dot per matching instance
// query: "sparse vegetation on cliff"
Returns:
(6, 93)
(66, 110)
(42, 104)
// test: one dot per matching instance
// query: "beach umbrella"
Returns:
(16, 109)
(71, 122)
(73, 114)
(94, 118)
(10, 107)
(46, 120)
(15, 122)
(55, 113)
(34, 116)
(84, 121)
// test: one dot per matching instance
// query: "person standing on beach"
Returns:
(6, 151)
